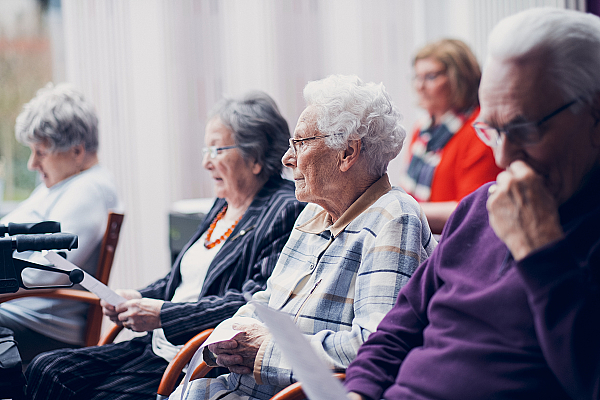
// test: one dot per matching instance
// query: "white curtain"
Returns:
(154, 68)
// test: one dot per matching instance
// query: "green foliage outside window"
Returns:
(25, 66)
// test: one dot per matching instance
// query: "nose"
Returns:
(206, 161)
(32, 162)
(288, 159)
(506, 152)
(418, 83)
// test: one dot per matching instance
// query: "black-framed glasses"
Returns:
(213, 151)
(519, 133)
(294, 142)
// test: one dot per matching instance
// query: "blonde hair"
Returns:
(462, 69)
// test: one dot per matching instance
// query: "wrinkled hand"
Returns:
(522, 212)
(109, 310)
(140, 315)
(239, 353)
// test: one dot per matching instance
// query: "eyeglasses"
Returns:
(429, 77)
(294, 142)
(519, 133)
(213, 151)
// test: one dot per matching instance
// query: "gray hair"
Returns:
(60, 117)
(347, 108)
(569, 39)
(258, 128)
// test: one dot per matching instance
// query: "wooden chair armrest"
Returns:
(110, 335)
(201, 370)
(64, 294)
(170, 377)
(294, 391)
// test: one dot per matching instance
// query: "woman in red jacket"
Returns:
(447, 160)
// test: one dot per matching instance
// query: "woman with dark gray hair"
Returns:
(61, 128)
(231, 255)
(351, 251)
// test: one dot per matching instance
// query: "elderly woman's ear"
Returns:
(256, 168)
(350, 155)
(79, 154)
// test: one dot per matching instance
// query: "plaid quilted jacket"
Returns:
(337, 281)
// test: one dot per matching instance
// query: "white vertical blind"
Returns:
(116, 54)
(154, 68)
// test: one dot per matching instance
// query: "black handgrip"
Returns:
(51, 241)
(76, 275)
(31, 228)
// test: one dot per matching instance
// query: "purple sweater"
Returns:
(474, 324)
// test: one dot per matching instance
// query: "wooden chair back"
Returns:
(105, 261)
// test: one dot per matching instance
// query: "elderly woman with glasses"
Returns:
(231, 255)
(446, 161)
(354, 246)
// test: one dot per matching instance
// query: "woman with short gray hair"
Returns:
(258, 128)
(347, 109)
(61, 128)
(60, 117)
(353, 247)
(230, 256)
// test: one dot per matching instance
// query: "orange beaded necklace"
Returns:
(207, 243)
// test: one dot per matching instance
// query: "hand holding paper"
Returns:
(317, 380)
(239, 353)
(222, 333)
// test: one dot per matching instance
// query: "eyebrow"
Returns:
(518, 119)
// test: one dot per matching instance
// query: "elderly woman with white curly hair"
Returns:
(61, 128)
(353, 247)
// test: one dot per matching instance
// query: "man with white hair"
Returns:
(508, 305)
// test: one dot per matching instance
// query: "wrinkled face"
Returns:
(567, 151)
(53, 167)
(432, 86)
(314, 165)
(233, 177)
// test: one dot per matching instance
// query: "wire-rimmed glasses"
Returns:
(213, 151)
(294, 142)
(519, 133)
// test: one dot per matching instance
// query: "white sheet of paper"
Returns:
(89, 282)
(221, 334)
(317, 380)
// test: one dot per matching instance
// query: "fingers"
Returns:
(234, 363)
(230, 360)
(520, 169)
(123, 318)
(354, 396)
(522, 211)
(123, 307)
(223, 347)
(110, 312)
